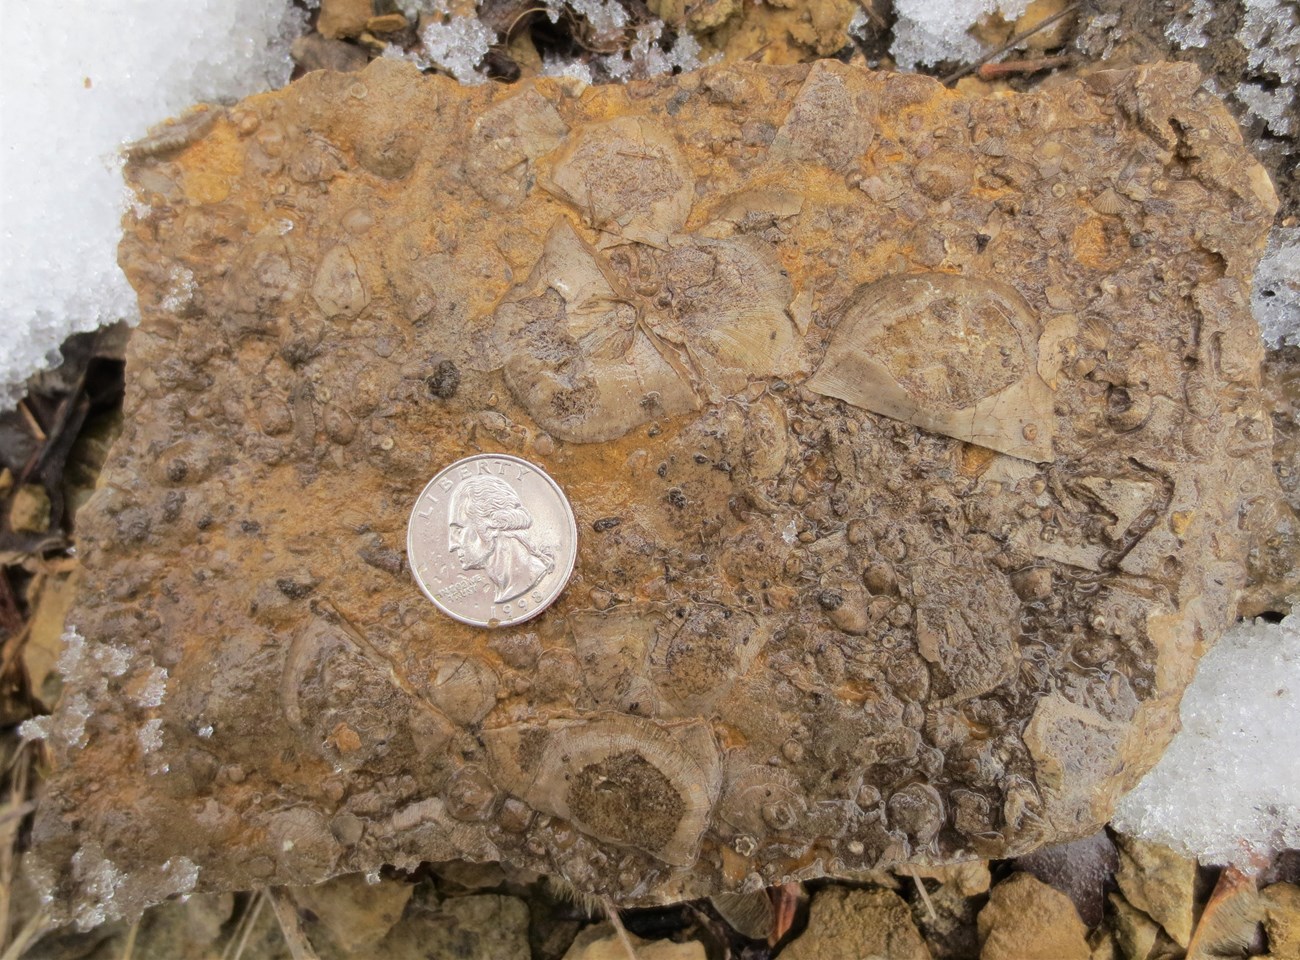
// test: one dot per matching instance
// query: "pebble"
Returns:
(314, 52)
(858, 923)
(1160, 883)
(340, 19)
(602, 943)
(30, 510)
(1025, 919)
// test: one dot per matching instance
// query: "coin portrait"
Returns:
(492, 540)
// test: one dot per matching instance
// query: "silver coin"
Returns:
(492, 540)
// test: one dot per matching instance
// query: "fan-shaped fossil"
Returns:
(909, 485)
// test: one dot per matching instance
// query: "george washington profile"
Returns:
(486, 520)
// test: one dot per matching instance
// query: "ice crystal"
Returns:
(459, 46)
(153, 688)
(928, 33)
(1187, 28)
(606, 18)
(66, 109)
(1228, 789)
(150, 735)
(1275, 294)
(1271, 106)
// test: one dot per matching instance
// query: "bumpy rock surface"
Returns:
(913, 442)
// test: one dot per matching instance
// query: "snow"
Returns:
(1228, 788)
(1270, 34)
(929, 33)
(458, 46)
(1275, 297)
(70, 96)
(1187, 28)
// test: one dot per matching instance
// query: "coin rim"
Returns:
(573, 531)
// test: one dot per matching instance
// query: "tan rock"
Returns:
(858, 923)
(387, 23)
(1025, 919)
(1159, 882)
(600, 942)
(29, 510)
(970, 879)
(1135, 932)
(1047, 36)
(45, 632)
(1282, 920)
(311, 51)
(480, 927)
(355, 913)
(341, 19)
(801, 649)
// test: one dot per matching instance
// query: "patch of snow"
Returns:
(553, 66)
(459, 46)
(66, 107)
(606, 18)
(73, 649)
(1275, 293)
(647, 58)
(858, 24)
(1270, 33)
(1228, 787)
(1271, 106)
(98, 879)
(36, 728)
(182, 874)
(928, 33)
(1187, 28)
(150, 735)
(153, 689)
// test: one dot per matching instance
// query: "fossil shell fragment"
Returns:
(909, 492)
(954, 355)
(629, 782)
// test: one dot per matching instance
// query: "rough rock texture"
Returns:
(1159, 882)
(1027, 920)
(914, 440)
(602, 943)
(858, 923)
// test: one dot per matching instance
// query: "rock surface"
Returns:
(602, 943)
(930, 427)
(858, 923)
(1027, 920)
(1159, 882)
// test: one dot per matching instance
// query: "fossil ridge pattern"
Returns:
(914, 441)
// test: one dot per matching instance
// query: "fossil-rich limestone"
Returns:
(914, 442)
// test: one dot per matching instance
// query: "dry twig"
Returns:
(1010, 44)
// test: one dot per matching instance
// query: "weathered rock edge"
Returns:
(914, 442)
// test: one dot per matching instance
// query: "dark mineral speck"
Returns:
(444, 382)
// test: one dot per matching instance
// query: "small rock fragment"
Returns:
(970, 878)
(311, 51)
(478, 927)
(1159, 882)
(355, 913)
(858, 923)
(340, 19)
(1025, 919)
(1282, 920)
(602, 943)
(1135, 932)
(30, 510)
(1081, 869)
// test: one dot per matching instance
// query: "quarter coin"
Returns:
(492, 540)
